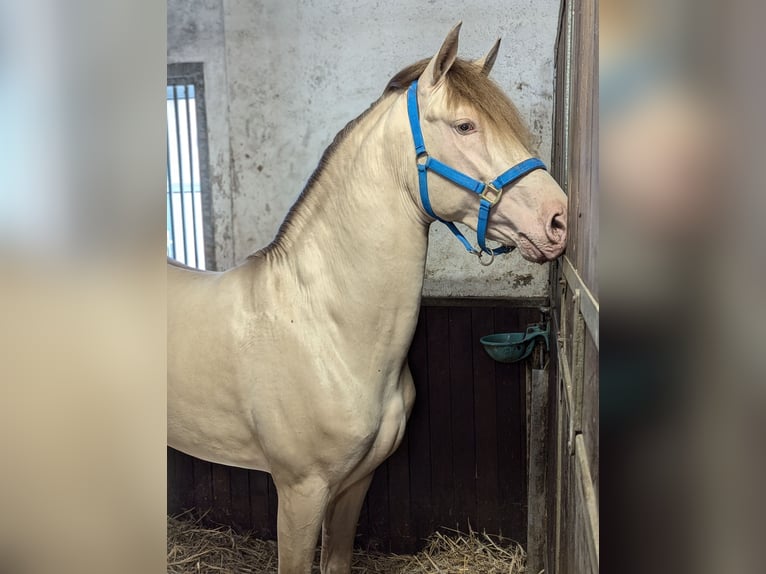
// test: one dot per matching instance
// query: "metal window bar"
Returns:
(186, 241)
(191, 171)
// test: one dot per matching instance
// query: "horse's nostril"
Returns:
(557, 228)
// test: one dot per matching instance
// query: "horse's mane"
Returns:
(466, 84)
(323, 161)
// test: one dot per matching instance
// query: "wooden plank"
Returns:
(553, 486)
(440, 417)
(589, 307)
(184, 480)
(536, 498)
(530, 316)
(570, 160)
(173, 495)
(220, 511)
(565, 371)
(557, 493)
(590, 271)
(566, 544)
(418, 434)
(378, 517)
(578, 359)
(203, 485)
(485, 424)
(510, 386)
(260, 518)
(585, 499)
(461, 349)
(402, 539)
(566, 86)
(590, 413)
(585, 126)
(270, 530)
(241, 519)
(363, 526)
(471, 302)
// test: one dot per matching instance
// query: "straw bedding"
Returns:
(199, 549)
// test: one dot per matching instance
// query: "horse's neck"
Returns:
(356, 243)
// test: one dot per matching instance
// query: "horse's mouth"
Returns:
(538, 256)
(530, 251)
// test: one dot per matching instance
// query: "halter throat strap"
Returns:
(489, 193)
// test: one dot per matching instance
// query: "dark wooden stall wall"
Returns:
(462, 461)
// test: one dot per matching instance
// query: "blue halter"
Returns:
(489, 193)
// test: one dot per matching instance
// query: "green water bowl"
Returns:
(513, 347)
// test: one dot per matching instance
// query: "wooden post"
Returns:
(537, 381)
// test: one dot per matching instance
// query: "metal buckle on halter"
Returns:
(422, 155)
(491, 200)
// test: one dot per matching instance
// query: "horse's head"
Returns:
(469, 125)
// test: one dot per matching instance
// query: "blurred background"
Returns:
(681, 276)
(82, 322)
(681, 266)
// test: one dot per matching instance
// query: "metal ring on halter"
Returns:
(491, 258)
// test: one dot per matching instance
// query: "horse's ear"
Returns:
(489, 58)
(442, 61)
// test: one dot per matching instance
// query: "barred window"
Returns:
(189, 221)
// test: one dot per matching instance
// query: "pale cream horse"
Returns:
(294, 362)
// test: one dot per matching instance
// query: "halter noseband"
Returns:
(489, 193)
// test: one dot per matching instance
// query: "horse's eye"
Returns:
(465, 127)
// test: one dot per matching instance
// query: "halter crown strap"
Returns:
(489, 193)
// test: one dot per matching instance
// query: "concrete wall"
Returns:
(282, 77)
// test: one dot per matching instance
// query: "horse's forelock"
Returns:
(466, 83)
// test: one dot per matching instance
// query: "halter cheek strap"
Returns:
(489, 193)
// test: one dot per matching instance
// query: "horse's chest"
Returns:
(374, 420)
(392, 421)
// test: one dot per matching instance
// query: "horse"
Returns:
(295, 361)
